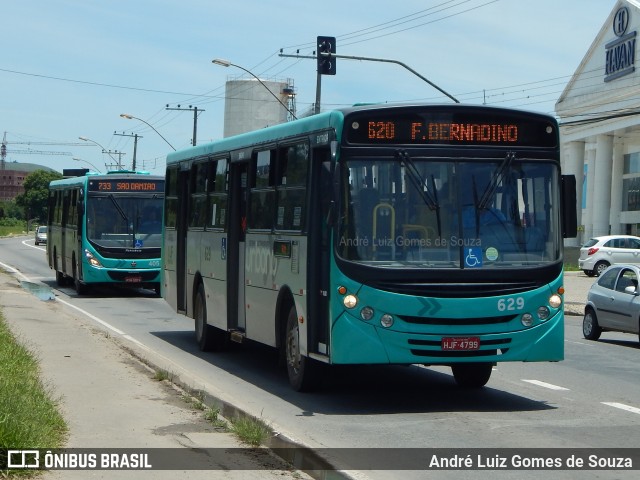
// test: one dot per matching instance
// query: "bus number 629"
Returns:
(510, 304)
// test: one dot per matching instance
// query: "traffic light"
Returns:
(326, 61)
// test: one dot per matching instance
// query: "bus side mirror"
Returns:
(568, 209)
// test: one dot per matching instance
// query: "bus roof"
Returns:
(320, 121)
(265, 135)
(82, 180)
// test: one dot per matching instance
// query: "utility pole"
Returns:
(195, 118)
(135, 145)
(111, 154)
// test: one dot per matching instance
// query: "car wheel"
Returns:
(590, 327)
(472, 375)
(600, 267)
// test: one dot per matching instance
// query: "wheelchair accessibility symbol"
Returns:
(473, 257)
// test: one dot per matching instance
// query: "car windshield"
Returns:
(427, 212)
(124, 221)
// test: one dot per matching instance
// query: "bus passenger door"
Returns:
(238, 194)
(319, 235)
(181, 242)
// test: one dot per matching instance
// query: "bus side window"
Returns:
(292, 187)
(217, 186)
(262, 196)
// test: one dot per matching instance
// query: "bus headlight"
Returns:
(543, 313)
(93, 261)
(527, 319)
(555, 300)
(350, 301)
(386, 320)
(366, 313)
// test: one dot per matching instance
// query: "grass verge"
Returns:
(250, 430)
(29, 414)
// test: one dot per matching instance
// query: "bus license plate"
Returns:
(133, 279)
(460, 343)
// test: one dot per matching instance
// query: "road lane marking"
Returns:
(10, 269)
(545, 385)
(581, 343)
(92, 317)
(622, 406)
(58, 299)
(24, 242)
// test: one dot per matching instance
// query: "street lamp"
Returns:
(104, 150)
(85, 161)
(226, 63)
(131, 117)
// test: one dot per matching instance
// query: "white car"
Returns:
(600, 252)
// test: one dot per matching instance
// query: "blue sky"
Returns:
(70, 67)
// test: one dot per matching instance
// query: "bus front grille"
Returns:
(457, 321)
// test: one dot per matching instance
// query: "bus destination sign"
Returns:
(449, 128)
(125, 185)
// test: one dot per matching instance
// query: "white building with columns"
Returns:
(599, 115)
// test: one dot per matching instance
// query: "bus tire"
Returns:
(303, 372)
(472, 375)
(81, 288)
(61, 279)
(209, 338)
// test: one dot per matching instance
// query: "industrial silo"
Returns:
(251, 104)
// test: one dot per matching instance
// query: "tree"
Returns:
(9, 209)
(36, 193)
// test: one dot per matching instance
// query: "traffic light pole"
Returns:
(316, 106)
(368, 59)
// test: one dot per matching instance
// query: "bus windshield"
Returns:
(123, 221)
(449, 213)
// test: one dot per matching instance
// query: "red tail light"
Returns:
(592, 250)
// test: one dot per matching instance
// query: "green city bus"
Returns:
(106, 229)
(378, 234)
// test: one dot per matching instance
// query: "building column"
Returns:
(574, 165)
(587, 215)
(616, 187)
(602, 187)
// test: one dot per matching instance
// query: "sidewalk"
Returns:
(111, 400)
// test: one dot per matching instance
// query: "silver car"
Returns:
(613, 303)
(41, 234)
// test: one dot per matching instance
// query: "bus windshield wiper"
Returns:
(496, 179)
(419, 182)
(120, 211)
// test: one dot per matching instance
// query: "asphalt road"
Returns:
(589, 400)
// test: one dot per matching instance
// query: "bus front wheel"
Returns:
(303, 372)
(209, 338)
(81, 288)
(472, 375)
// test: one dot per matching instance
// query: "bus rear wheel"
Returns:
(303, 372)
(209, 338)
(472, 375)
